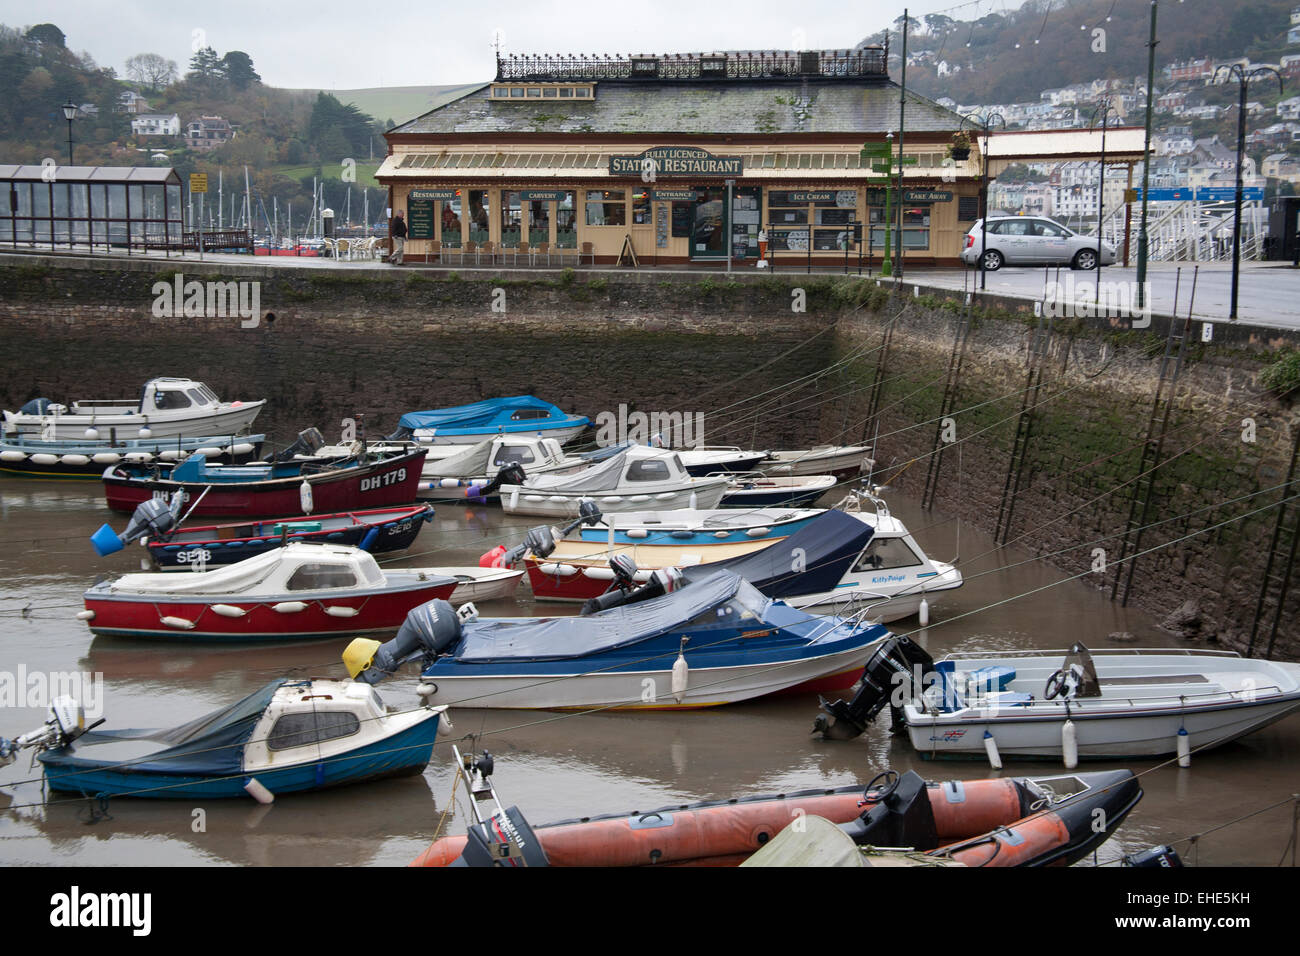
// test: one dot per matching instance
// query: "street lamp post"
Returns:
(1243, 78)
(69, 113)
(1105, 109)
(985, 123)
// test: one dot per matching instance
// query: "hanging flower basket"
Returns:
(959, 149)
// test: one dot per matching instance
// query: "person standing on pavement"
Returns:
(399, 239)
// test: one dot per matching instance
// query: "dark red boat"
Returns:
(289, 488)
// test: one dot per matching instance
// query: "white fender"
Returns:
(338, 610)
(208, 451)
(44, 459)
(106, 458)
(560, 570)
(757, 532)
(180, 623)
(75, 460)
(11, 456)
(258, 792)
(289, 607)
(1070, 744)
(304, 497)
(923, 613)
(681, 672)
(242, 448)
(228, 610)
(92, 434)
(172, 455)
(991, 748)
(86, 615)
(638, 533)
(1184, 748)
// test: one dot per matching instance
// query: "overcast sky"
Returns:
(349, 44)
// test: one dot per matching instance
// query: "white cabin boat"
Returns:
(635, 479)
(168, 407)
(449, 477)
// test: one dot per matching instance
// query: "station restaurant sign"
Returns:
(676, 161)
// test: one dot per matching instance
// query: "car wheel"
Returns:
(991, 261)
(1085, 259)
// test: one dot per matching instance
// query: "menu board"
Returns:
(419, 218)
(682, 215)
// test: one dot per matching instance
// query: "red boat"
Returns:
(296, 592)
(286, 489)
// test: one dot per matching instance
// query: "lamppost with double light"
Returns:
(69, 114)
(1106, 111)
(985, 123)
(1243, 78)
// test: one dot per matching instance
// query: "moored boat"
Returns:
(289, 736)
(716, 641)
(1068, 705)
(845, 462)
(299, 591)
(476, 472)
(514, 415)
(760, 491)
(167, 408)
(1020, 821)
(377, 531)
(290, 488)
(635, 479)
(84, 459)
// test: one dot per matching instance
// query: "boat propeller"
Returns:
(897, 672)
(154, 518)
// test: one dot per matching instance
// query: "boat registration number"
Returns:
(382, 481)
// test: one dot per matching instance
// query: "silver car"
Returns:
(1031, 241)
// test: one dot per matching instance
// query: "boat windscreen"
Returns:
(479, 414)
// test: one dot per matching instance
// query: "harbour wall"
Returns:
(774, 361)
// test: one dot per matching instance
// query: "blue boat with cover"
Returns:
(466, 424)
(716, 641)
(288, 736)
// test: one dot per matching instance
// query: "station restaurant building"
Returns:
(586, 158)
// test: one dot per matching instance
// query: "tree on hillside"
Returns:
(205, 68)
(237, 67)
(337, 130)
(151, 71)
(938, 24)
(47, 34)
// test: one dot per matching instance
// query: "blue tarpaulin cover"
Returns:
(490, 414)
(211, 745)
(567, 637)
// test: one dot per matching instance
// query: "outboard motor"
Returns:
(429, 630)
(1156, 856)
(539, 541)
(64, 722)
(663, 581)
(308, 442)
(898, 670)
(898, 814)
(152, 519)
(504, 839)
(511, 474)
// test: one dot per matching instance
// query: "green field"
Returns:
(365, 172)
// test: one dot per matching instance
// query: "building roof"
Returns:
(93, 174)
(700, 107)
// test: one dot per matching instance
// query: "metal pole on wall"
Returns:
(1146, 163)
(902, 105)
(730, 250)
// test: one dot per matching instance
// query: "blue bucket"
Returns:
(106, 541)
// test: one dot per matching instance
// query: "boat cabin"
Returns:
(314, 719)
(297, 567)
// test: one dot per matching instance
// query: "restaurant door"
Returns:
(708, 239)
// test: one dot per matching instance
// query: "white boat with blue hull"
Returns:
(714, 641)
(287, 737)
(517, 415)
(1070, 705)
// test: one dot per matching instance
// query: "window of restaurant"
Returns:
(539, 221)
(478, 215)
(827, 214)
(450, 221)
(511, 218)
(606, 207)
(641, 212)
(566, 222)
(915, 224)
